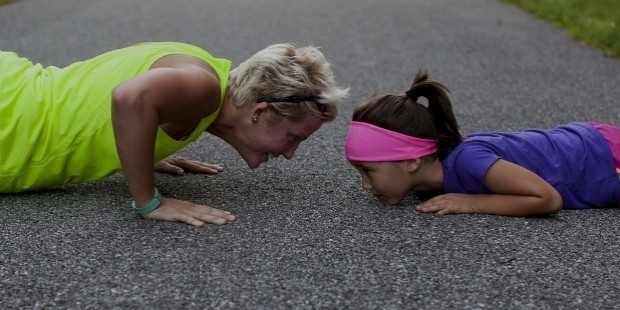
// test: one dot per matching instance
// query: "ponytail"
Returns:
(440, 108)
(403, 113)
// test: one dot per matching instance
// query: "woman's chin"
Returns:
(254, 163)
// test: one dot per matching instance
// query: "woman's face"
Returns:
(272, 135)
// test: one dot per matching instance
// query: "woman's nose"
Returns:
(288, 154)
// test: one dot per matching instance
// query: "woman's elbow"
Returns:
(128, 102)
(121, 97)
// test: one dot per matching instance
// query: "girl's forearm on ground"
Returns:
(513, 205)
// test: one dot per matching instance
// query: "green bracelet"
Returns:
(151, 206)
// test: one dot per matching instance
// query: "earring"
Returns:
(254, 118)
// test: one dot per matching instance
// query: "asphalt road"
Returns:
(307, 235)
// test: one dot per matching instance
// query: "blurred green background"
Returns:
(594, 22)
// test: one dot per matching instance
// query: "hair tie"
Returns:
(412, 95)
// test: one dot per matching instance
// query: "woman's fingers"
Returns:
(165, 167)
(211, 215)
(184, 211)
(179, 165)
(200, 167)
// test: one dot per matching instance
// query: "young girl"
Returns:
(399, 145)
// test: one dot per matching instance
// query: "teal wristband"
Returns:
(151, 206)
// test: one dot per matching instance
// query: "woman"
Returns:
(129, 108)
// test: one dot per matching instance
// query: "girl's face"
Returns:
(388, 181)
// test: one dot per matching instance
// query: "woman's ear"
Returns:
(258, 109)
(413, 165)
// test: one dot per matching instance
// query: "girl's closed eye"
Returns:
(366, 171)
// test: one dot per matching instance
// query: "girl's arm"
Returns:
(139, 106)
(516, 192)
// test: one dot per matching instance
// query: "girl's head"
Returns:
(392, 136)
(295, 81)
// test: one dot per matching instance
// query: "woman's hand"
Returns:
(175, 210)
(179, 165)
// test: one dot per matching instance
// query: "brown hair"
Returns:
(402, 113)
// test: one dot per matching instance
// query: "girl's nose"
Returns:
(366, 184)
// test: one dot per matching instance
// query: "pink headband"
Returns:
(366, 142)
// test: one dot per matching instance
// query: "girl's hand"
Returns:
(449, 204)
(175, 210)
(179, 165)
(516, 191)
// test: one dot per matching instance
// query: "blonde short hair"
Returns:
(283, 71)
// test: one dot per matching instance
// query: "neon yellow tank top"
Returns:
(55, 123)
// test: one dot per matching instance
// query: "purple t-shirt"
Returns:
(573, 158)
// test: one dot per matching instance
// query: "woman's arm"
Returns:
(516, 192)
(140, 105)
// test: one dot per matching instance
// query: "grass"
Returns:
(595, 22)
(6, 1)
